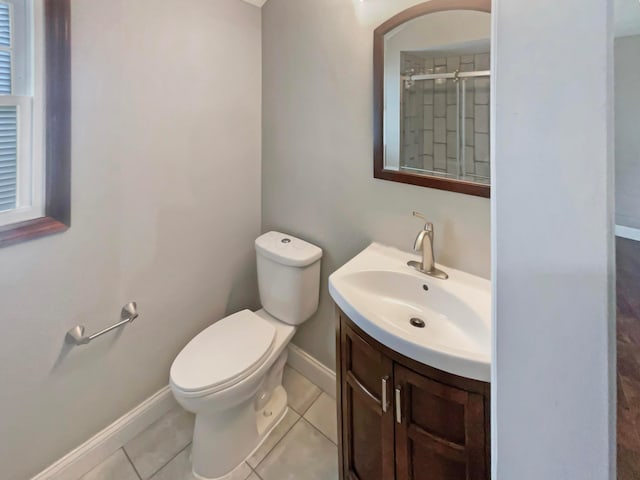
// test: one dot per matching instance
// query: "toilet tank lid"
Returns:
(287, 249)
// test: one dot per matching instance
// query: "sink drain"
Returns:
(417, 322)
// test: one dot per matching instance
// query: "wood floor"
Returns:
(628, 320)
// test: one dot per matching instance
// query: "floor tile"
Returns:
(300, 391)
(274, 437)
(116, 467)
(322, 415)
(254, 477)
(152, 449)
(180, 469)
(304, 453)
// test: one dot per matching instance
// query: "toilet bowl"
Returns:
(230, 374)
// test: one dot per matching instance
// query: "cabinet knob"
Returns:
(398, 404)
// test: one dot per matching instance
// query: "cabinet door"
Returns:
(367, 413)
(440, 430)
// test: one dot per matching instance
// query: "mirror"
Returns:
(432, 96)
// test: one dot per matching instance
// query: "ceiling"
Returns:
(627, 17)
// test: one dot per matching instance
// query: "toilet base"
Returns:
(257, 427)
(270, 416)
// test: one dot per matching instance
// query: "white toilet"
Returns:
(230, 374)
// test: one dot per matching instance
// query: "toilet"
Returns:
(230, 374)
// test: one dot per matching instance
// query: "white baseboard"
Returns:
(102, 445)
(628, 232)
(311, 368)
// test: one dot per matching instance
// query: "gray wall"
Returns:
(553, 379)
(317, 152)
(627, 95)
(166, 206)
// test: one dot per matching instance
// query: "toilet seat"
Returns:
(223, 354)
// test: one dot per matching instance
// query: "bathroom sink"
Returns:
(442, 323)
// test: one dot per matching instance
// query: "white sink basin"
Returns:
(381, 294)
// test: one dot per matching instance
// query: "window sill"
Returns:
(30, 230)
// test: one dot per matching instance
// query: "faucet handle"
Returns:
(428, 226)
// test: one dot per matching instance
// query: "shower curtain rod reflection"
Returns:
(454, 75)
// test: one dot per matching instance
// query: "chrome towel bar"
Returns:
(76, 335)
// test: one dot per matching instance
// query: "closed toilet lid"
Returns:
(224, 353)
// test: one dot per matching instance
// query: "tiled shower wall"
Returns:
(430, 117)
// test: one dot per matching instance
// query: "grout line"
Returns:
(131, 462)
(313, 425)
(169, 461)
(319, 431)
(306, 378)
(253, 472)
(320, 392)
(315, 399)
(276, 444)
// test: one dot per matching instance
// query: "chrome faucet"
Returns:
(424, 243)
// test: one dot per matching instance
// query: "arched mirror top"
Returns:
(432, 96)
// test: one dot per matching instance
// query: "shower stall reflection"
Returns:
(444, 120)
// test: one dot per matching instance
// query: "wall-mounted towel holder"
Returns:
(76, 335)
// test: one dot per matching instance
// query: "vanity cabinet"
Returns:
(399, 419)
(367, 420)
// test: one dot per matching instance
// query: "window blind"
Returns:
(8, 118)
(8, 157)
(6, 49)
(5, 25)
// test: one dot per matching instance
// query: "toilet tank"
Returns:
(288, 276)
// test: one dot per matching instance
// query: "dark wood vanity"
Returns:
(399, 419)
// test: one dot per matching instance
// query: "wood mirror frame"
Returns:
(433, 6)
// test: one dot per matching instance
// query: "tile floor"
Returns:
(302, 447)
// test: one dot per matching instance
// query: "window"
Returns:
(35, 132)
(21, 106)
